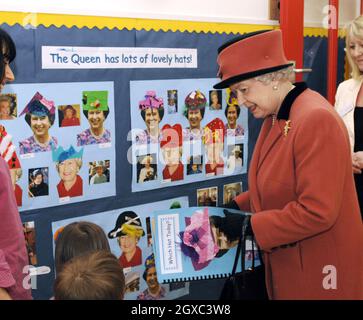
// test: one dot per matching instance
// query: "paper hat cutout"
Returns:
(250, 55)
(195, 100)
(127, 223)
(60, 154)
(151, 101)
(99, 164)
(95, 100)
(150, 262)
(214, 132)
(7, 149)
(197, 239)
(171, 136)
(39, 106)
(231, 98)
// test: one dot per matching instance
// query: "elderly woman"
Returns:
(306, 216)
(349, 101)
(152, 112)
(194, 110)
(95, 109)
(39, 115)
(7, 107)
(232, 112)
(147, 173)
(68, 163)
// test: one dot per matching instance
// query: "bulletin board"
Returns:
(30, 70)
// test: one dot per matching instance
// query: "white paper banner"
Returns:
(117, 58)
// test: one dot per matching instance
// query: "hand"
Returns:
(235, 223)
(231, 205)
(358, 157)
(357, 162)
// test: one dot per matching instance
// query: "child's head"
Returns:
(76, 239)
(93, 276)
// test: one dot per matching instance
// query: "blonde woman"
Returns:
(349, 100)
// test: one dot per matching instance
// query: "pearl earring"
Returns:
(275, 88)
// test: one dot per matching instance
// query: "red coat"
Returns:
(302, 193)
(178, 174)
(75, 191)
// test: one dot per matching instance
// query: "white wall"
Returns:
(235, 11)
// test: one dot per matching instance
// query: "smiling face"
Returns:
(68, 170)
(128, 244)
(171, 155)
(40, 125)
(152, 119)
(356, 51)
(260, 99)
(194, 117)
(96, 118)
(68, 114)
(232, 115)
(38, 179)
(151, 278)
(4, 109)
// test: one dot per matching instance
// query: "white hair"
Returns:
(283, 74)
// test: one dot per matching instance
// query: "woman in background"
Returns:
(349, 101)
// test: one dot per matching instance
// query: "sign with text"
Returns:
(54, 57)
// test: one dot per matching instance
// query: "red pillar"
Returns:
(332, 50)
(292, 27)
(361, 7)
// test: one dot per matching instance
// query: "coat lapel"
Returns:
(274, 134)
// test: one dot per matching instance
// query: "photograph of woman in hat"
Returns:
(128, 231)
(97, 169)
(235, 159)
(68, 116)
(148, 170)
(349, 101)
(214, 133)
(68, 163)
(7, 107)
(154, 290)
(194, 109)
(172, 101)
(95, 109)
(37, 186)
(301, 188)
(171, 146)
(215, 96)
(152, 112)
(39, 115)
(232, 113)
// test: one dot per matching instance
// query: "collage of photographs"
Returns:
(55, 162)
(188, 138)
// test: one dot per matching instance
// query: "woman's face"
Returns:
(260, 99)
(152, 118)
(214, 97)
(40, 125)
(356, 51)
(214, 151)
(171, 155)
(4, 109)
(38, 179)
(128, 243)
(9, 75)
(232, 115)
(96, 118)
(68, 114)
(68, 170)
(194, 117)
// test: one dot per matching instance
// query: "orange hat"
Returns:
(172, 136)
(250, 55)
(214, 131)
(7, 149)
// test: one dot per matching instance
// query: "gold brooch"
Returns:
(287, 127)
